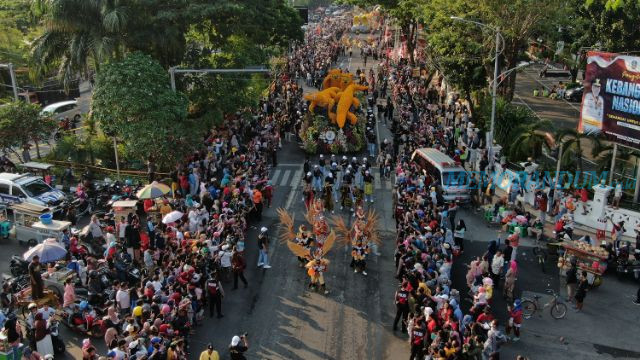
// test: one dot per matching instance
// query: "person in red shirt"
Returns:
(184, 184)
(515, 319)
(148, 205)
(486, 316)
(584, 197)
(267, 193)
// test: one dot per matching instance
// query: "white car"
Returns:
(60, 110)
(17, 188)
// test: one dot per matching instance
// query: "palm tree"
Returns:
(573, 143)
(603, 154)
(529, 140)
(79, 35)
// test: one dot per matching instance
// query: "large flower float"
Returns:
(326, 129)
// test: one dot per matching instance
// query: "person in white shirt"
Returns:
(225, 257)
(193, 220)
(46, 312)
(123, 298)
(179, 234)
(94, 228)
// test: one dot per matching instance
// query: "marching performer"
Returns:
(316, 269)
(304, 239)
(359, 253)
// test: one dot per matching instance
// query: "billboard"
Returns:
(611, 98)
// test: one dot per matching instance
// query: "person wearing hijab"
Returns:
(458, 235)
(69, 296)
(510, 280)
(88, 350)
(42, 336)
(236, 349)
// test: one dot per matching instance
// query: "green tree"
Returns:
(110, 29)
(573, 146)
(212, 96)
(612, 23)
(133, 101)
(461, 62)
(21, 124)
(517, 21)
(531, 138)
(79, 35)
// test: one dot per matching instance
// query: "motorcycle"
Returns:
(83, 206)
(81, 317)
(59, 347)
(126, 271)
(94, 246)
(18, 266)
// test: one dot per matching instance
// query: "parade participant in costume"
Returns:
(359, 253)
(316, 269)
(346, 192)
(328, 192)
(304, 239)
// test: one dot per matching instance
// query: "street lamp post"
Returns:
(495, 82)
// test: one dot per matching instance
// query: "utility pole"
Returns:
(115, 149)
(493, 99)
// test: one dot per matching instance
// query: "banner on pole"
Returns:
(611, 97)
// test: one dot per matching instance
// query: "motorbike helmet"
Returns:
(128, 182)
(83, 304)
(32, 306)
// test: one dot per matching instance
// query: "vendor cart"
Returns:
(591, 259)
(23, 299)
(29, 229)
(123, 208)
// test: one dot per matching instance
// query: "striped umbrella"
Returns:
(153, 190)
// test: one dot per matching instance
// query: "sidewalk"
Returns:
(579, 230)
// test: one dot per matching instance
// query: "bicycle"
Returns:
(558, 309)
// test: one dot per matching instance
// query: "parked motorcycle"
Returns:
(18, 266)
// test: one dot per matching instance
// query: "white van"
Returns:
(452, 178)
(17, 188)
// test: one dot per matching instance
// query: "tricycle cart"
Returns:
(23, 299)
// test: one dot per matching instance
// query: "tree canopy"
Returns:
(134, 102)
(21, 125)
(111, 29)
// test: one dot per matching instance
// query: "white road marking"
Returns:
(297, 177)
(274, 177)
(285, 177)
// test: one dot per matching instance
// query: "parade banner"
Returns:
(611, 98)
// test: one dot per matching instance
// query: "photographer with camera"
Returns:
(236, 349)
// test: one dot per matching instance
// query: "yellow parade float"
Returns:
(326, 129)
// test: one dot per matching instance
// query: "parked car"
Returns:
(574, 94)
(17, 188)
(58, 111)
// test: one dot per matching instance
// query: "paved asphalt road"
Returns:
(286, 321)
